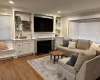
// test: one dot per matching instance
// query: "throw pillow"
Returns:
(87, 55)
(72, 44)
(94, 45)
(66, 42)
(3, 45)
(72, 60)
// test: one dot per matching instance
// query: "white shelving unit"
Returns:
(58, 28)
(22, 24)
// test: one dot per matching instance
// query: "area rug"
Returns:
(45, 67)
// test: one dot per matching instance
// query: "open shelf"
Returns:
(58, 29)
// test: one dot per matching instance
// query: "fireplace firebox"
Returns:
(44, 46)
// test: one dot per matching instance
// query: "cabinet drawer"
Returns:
(18, 45)
(26, 42)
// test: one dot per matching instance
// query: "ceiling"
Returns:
(52, 6)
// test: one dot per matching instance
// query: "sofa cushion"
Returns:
(74, 40)
(91, 53)
(94, 45)
(87, 55)
(68, 51)
(69, 68)
(72, 44)
(98, 51)
(66, 42)
(65, 60)
(83, 44)
(73, 59)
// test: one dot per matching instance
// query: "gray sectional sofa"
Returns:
(81, 46)
(87, 66)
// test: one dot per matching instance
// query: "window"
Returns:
(73, 30)
(5, 27)
(89, 30)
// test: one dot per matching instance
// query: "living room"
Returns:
(49, 40)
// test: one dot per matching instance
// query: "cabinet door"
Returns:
(26, 47)
(31, 46)
(19, 52)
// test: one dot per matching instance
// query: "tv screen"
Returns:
(42, 24)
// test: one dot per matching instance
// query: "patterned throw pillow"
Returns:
(3, 45)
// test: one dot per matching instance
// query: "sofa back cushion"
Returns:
(74, 40)
(87, 55)
(83, 44)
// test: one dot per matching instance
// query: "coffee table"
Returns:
(56, 53)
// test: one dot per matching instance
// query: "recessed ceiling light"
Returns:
(59, 11)
(11, 2)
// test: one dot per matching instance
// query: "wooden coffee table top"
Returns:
(56, 53)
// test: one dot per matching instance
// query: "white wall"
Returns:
(64, 27)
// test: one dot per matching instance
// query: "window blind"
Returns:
(73, 30)
(4, 27)
(90, 31)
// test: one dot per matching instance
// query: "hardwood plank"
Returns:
(19, 69)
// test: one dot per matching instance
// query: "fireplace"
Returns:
(44, 46)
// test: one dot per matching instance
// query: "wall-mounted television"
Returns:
(43, 24)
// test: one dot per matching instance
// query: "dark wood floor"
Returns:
(19, 69)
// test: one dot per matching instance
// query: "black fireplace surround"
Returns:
(43, 47)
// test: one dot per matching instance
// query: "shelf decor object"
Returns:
(26, 25)
(18, 23)
(58, 26)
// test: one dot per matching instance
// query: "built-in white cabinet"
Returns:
(31, 46)
(18, 48)
(24, 47)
